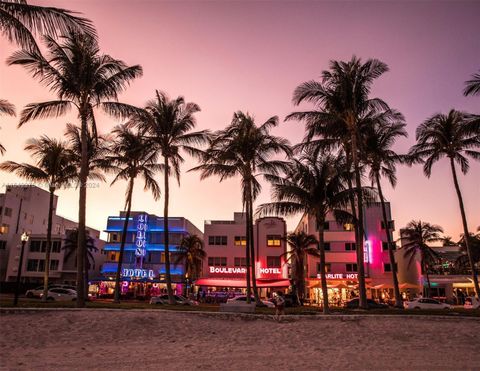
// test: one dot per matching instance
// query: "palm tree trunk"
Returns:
(247, 253)
(168, 277)
(396, 289)
(81, 250)
(116, 295)
(466, 234)
(300, 276)
(323, 272)
(252, 245)
(87, 266)
(49, 245)
(359, 241)
(429, 289)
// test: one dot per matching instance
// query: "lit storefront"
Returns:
(143, 265)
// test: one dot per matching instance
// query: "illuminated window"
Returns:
(113, 237)
(273, 262)
(348, 227)
(162, 258)
(113, 256)
(4, 228)
(351, 267)
(240, 241)
(274, 240)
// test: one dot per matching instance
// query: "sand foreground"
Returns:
(158, 340)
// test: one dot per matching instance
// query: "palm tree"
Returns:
(342, 104)
(314, 185)
(83, 79)
(457, 137)
(191, 253)
(54, 167)
(415, 239)
(382, 160)
(169, 123)
(473, 86)
(245, 149)
(474, 243)
(6, 108)
(70, 245)
(21, 22)
(131, 156)
(301, 245)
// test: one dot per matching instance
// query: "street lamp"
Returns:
(24, 239)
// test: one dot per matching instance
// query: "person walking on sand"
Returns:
(279, 302)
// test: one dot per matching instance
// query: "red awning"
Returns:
(218, 282)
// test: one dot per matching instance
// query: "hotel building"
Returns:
(25, 209)
(225, 243)
(341, 261)
(143, 265)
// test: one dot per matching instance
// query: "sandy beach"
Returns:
(158, 340)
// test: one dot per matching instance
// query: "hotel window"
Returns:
(348, 227)
(385, 246)
(3, 245)
(326, 246)
(113, 256)
(162, 258)
(350, 246)
(387, 267)
(4, 228)
(8, 211)
(41, 266)
(113, 237)
(240, 262)
(217, 240)
(240, 241)
(216, 261)
(57, 228)
(351, 267)
(32, 265)
(54, 265)
(391, 225)
(56, 246)
(273, 262)
(274, 240)
(328, 268)
(326, 226)
(35, 246)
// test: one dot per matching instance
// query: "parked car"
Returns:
(372, 304)
(471, 302)
(60, 294)
(181, 300)
(291, 300)
(36, 292)
(243, 298)
(426, 303)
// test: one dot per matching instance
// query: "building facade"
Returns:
(225, 243)
(143, 263)
(25, 209)
(341, 260)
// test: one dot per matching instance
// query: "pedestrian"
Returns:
(279, 302)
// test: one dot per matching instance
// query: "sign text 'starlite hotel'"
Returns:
(225, 245)
(143, 267)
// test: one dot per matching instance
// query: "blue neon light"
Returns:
(131, 247)
(154, 229)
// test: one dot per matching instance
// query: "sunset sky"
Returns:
(228, 56)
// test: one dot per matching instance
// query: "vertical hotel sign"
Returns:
(141, 237)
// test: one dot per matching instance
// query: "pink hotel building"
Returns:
(224, 243)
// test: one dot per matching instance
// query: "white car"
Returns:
(37, 292)
(243, 298)
(426, 303)
(60, 294)
(472, 303)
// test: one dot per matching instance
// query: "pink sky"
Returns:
(228, 56)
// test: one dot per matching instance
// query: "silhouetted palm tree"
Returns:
(6, 108)
(457, 137)
(415, 238)
(21, 22)
(301, 245)
(132, 155)
(190, 252)
(315, 186)
(245, 149)
(473, 86)
(83, 79)
(169, 123)
(70, 245)
(379, 139)
(474, 243)
(54, 168)
(341, 106)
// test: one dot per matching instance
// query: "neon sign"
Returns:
(138, 273)
(367, 249)
(228, 270)
(270, 271)
(340, 276)
(141, 236)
